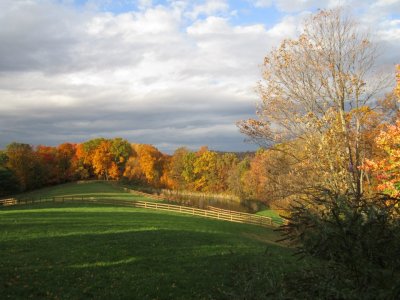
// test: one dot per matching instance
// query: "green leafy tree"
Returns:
(121, 150)
(177, 168)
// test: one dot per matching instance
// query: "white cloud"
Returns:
(289, 27)
(261, 3)
(288, 5)
(143, 4)
(150, 75)
(209, 7)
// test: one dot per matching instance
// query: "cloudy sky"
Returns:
(169, 73)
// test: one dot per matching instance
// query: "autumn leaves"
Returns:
(318, 106)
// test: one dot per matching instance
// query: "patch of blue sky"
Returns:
(248, 14)
(116, 7)
(394, 16)
(245, 13)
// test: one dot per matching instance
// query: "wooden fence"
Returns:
(147, 195)
(8, 202)
(212, 212)
(215, 213)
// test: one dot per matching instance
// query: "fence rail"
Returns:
(212, 212)
(8, 202)
(151, 196)
(246, 216)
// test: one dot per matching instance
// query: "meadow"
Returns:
(77, 250)
(89, 189)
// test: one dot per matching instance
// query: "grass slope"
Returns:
(97, 189)
(75, 251)
(274, 215)
(105, 190)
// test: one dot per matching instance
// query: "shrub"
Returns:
(358, 238)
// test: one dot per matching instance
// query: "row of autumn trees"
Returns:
(23, 167)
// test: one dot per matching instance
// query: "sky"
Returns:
(165, 72)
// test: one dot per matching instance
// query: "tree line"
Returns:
(24, 167)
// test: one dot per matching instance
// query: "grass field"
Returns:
(75, 251)
(95, 189)
(271, 214)
(105, 190)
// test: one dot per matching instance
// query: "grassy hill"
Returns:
(76, 250)
(96, 189)
(270, 213)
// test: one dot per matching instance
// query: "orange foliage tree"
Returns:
(386, 168)
(102, 160)
(81, 170)
(145, 165)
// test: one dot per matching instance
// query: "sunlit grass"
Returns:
(87, 190)
(75, 251)
(274, 215)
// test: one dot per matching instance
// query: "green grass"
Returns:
(271, 214)
(95, 189)
(75, 251)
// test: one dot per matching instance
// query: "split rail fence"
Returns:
(212, 212)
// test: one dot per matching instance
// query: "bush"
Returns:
(358, 238)
(8, 183)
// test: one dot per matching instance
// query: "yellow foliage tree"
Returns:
(313, 92)
(205, 170)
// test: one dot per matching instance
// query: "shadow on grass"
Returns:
(156, 264)
(102, 252)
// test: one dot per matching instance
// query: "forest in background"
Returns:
(24, 167)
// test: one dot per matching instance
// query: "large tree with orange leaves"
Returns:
(145, 165)
(102, 159)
